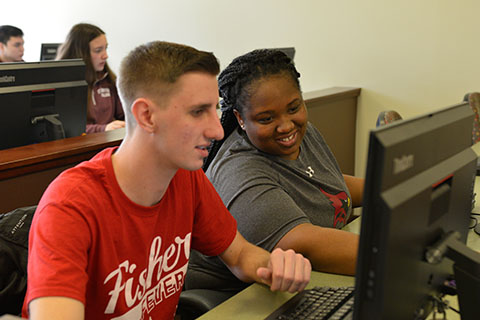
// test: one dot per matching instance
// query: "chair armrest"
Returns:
(195, 302)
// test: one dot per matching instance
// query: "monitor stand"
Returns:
(47, 128)
(466, 269)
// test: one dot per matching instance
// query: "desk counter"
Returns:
(25, 172)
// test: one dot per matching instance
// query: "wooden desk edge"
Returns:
(21, 158)
(329, 94)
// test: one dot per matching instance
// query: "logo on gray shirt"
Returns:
(310, 171)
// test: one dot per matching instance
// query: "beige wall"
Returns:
(413, 56)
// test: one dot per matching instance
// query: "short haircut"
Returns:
(152, 69)
(6, 32)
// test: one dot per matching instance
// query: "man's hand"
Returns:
(281, 270)
(286, 271)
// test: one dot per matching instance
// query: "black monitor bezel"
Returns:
(62, 82)
(45, 55)
(373, 269)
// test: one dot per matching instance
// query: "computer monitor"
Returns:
(289, 51)
(416, 216)
(49, 51)
(42, 101)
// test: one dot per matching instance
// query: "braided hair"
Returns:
(235, 84)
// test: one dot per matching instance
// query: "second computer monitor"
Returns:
(289, 51)
(417, 199)
(49, 51)
(42, 101)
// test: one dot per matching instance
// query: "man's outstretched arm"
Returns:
(53, 308)
(280, 270)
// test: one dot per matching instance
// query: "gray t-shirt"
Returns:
(268, 195)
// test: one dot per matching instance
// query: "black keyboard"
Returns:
(317, 303)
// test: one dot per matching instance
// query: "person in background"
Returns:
(111, 238)
(275, 172)
(104, 109)
(11, 44)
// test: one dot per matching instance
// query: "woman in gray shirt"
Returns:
(275, 173)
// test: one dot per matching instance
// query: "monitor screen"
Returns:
(418, 192)
(49, 51)
(289, 51)
(42, 101)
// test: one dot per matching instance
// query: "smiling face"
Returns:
(98, 52)
(276, 118)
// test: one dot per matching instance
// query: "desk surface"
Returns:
(257, 301)
(25, 172)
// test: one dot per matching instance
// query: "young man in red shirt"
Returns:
(111, 237)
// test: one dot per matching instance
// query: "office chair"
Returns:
(195, 302)
(473, 99)
(386, 117)
(14, 230)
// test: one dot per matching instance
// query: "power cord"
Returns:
(474, 222)
(440, 306)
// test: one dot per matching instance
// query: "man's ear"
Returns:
(142, 110)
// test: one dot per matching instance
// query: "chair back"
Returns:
(14, 230)
(386, 117)
(473, 99)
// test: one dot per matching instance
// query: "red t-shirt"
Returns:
(89, 242)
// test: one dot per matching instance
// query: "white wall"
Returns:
(412, 56)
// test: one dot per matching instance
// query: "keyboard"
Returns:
(317, 303)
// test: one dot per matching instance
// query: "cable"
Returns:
(453, 309)
(473, 222)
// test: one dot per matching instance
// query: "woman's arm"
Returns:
(328, 249)
(269, 217)
(355, 186)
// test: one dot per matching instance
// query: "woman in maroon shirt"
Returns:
(104, 109)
